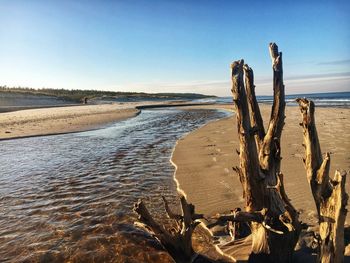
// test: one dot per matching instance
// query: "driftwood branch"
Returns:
(329, 194)
(242, 216)
(255, 115)
(270, 153)
(178, 243)
(275, 234)
(252, 187)
(170, 213)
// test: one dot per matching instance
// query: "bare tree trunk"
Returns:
(273, 220)
(177, 241)
(274, 236)
(329, 194)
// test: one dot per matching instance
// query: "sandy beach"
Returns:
(205, 157)
(204, 161)
(57, 120)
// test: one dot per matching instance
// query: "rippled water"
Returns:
(69, 197)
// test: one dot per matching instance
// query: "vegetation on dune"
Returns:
(79, 95)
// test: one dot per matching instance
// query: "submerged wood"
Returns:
(329, 194)
(177, 241)
(275, 234)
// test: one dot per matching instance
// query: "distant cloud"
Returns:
(311, 83)
(210, 87)
(294, 84)
(325, 75)
(335, 62)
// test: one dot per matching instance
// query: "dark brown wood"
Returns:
(276, 233)
(329, 194)
(242, 216)
(177, 242)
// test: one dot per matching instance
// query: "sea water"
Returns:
(331, 99)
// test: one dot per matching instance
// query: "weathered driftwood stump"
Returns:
(273, 220)
(177, 241)
(329, 194)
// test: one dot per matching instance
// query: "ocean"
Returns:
(331, 99)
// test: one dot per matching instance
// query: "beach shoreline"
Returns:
(214, 144)
(60, 120)
(203, 162)
(203, 158)
(39, 121)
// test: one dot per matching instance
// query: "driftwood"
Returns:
(329, 194)
(273, 220)
(177, 241)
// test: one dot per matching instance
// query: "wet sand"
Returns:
(204, 161)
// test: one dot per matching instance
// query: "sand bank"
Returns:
(57, 120)
(204, 161)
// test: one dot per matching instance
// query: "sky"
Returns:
(173, 46)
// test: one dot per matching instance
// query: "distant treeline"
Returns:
(79, 95)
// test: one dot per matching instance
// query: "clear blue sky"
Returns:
(173, 46)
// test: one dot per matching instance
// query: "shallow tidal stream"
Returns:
(69, 198)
